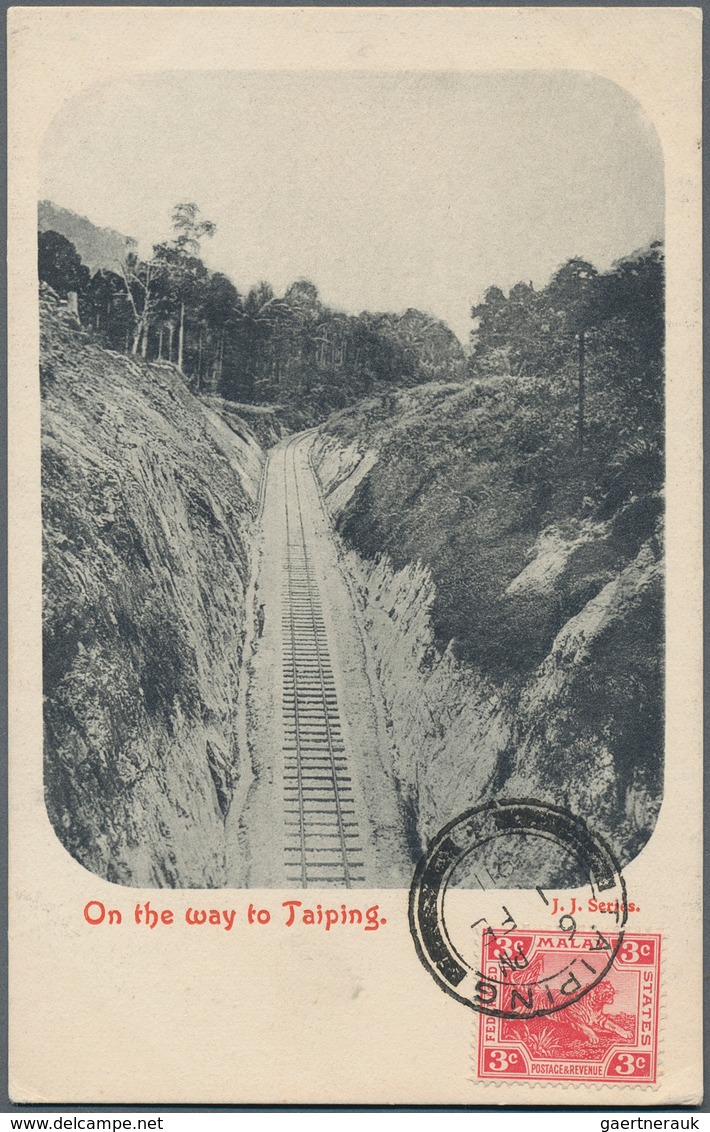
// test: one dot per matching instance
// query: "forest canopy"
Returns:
(254, 347)
(599, 333)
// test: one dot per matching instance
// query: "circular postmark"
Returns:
(496, 940)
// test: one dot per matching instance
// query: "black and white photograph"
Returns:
(355, 558)
(352, 396)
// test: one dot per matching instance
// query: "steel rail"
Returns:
(310, 713)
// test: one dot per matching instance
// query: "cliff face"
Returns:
(264, 421)
(513, 608)
(575, 716)
(148, 504)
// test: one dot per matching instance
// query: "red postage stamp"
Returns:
(610, 1034)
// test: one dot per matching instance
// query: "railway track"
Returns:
(322, 840)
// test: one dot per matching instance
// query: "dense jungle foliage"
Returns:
(543, 437)
(255, 347)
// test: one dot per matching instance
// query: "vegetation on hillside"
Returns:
(255, 347)
(604, 330)
(528, 478)
(544, 544)
(146, 517)
(97, 247)
(469, 476)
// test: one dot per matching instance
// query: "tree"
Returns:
(490, 334)
(302, 297)
(220, 308)
(189, 230)
(107, 307)
(573, 293)
(59, 264)
(629, 343)
(257, 316)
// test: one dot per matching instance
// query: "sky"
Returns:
(388, 191)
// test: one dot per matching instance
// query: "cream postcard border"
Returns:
(98, 1018)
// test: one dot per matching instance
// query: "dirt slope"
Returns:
(518, 639)
(148, 507)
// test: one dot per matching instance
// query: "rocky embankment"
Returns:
(563, 702)
(148, 508)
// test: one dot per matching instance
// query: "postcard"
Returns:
(355, 556)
